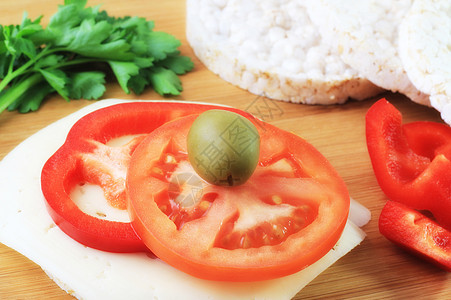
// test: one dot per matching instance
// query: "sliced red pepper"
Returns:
(416, 233)
(85, 157)
(412, 162)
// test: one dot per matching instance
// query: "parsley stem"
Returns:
(75, 62)
(13, 93)
(23, 69)
(11, 64)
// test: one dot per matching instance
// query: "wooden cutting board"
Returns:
(375, 269)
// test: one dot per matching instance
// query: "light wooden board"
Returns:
(375, 269)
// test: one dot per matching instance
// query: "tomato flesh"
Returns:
(289, 213)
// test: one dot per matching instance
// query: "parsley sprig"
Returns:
(74, 53)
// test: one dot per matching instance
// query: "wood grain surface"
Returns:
(375, 269)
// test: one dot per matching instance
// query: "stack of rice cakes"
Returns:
(327, 51)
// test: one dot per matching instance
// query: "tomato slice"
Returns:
(288, 215)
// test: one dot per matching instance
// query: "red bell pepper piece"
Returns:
(412, 162)
(85, 158)
(416, 233)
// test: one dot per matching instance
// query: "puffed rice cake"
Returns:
(271, 48)
(366, 34)
(425, 50)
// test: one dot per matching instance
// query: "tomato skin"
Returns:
(194, 248)
(412, 162)
(416, 233)
(63, 169)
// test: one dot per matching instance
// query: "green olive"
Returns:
(223, 147)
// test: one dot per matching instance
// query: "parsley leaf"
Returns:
(124, 71)
(87, 85)
(80, 3)
(160, 44)
(177, 63)
(138, 82)
(89, 41)
(62, 25)
(58, 80)
(165, 81)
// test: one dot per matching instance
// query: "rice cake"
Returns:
(366, 35)
(272, 49)
(425, 50)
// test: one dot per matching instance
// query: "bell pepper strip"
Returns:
(416, 233)
(87, 158)
(411, 162)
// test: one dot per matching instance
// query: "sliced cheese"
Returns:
(86, 273)
(91, 200)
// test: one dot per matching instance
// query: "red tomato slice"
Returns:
(288, 215)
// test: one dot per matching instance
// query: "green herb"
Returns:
(72, 55)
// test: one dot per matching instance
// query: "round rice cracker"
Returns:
(272, 49)
(366, 34)
(425, 50)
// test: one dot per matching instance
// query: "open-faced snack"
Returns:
(87, 273)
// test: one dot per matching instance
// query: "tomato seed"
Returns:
(277, 231)
(100, 214)
(245, 242)
(204, 205)
(157, 171)
(170, 159)
(277, 199)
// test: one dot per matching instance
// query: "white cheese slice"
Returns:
(91, 200)
(91, 274)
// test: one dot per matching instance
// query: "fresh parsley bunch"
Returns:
(76, 50)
